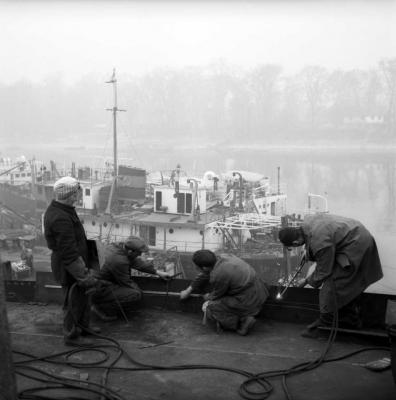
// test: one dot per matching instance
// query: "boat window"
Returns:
(152, 234)
(158, 200)
(23, 175)
(181, 203)
(16, 175)
(188, 203)
(29, 174)
(87, 192)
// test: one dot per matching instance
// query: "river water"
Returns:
(358, 183)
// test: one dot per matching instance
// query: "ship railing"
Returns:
(168, 261)
(247, 221)
(268, 190)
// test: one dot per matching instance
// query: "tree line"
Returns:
(218, 104)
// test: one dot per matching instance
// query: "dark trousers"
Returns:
(76, 310)
(111, 299)
(348, 316)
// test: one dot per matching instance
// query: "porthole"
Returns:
(171, 230)
(201, 233)
(105, 224)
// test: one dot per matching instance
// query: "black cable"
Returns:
(255, 387)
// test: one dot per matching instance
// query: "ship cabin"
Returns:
(177, 219)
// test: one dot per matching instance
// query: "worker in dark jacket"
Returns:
(347, 262)
(123, 293)
(70, 264)
(237, 292)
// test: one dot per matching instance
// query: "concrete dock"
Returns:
(157, 336)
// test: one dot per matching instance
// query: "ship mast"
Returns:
(114, 110)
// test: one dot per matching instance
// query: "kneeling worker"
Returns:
(122, 290)
(347, 262)
(237, 295)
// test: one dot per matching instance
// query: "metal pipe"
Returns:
(301, 265)
(240, 189)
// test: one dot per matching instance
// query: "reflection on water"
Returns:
(357, 184)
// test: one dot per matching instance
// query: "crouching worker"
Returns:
(237, 295)
(347, 262)
(70, 263)
(122, 293)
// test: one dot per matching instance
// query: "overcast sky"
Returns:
(75, 38)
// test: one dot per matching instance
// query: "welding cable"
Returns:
(260, 381)
(75, 351)
(249, 394)
(141, 366)
(119, 305)
(266, 387)
(64, 382)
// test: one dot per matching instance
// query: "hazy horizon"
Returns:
(71, 39)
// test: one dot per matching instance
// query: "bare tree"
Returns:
(314, 81)
(388, 68)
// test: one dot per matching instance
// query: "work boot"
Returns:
(78, 341)
(311, 330)
(247, 324)
(312, 333)
(101, 315)
(92, 330)
(318, 322)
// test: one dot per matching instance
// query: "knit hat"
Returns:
(288, 235)
(136, 243)
(65, 187)
(204, 258)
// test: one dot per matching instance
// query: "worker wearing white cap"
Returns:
(70, 263)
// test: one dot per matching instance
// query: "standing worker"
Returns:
(70, 263)
(237, 295)
(347, 262)
(123, 293)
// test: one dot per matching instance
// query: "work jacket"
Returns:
(66, 238)
(234, 282)
(117, 265)
(346, 256)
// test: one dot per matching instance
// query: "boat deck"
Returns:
(162, 337)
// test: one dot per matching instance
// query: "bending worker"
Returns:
(70, 263)
(237, 295)
(123, 291)
(347, 262)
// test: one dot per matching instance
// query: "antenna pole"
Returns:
(278, 180)
(114, 110)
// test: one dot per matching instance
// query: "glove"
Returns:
(104, 283)
(97, 285)
(301, 283)
(164, 275)
(88, 281)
